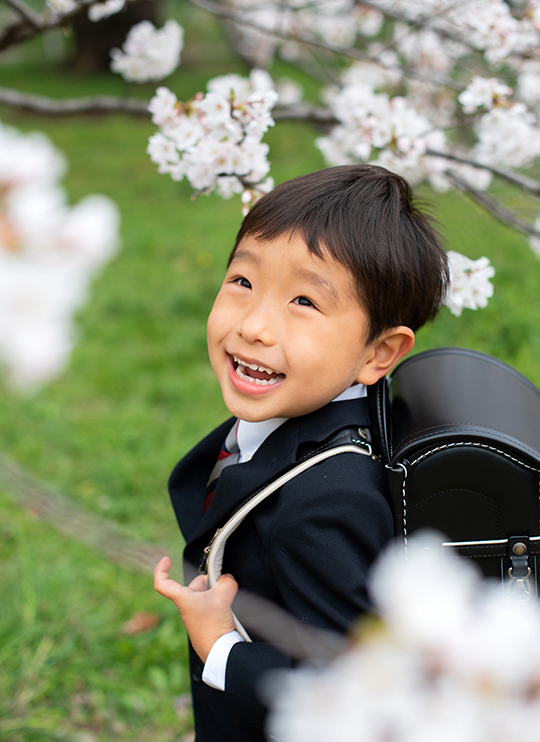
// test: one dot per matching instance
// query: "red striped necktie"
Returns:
(228, 455)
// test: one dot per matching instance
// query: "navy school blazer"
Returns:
(308, 547)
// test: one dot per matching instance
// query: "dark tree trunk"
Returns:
(94, 41)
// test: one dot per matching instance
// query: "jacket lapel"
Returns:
(187, 483)
(278, 452)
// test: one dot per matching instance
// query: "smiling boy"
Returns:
(330, 276)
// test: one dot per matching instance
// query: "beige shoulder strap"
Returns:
(215, 549)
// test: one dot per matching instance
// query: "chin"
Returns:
(250, 416)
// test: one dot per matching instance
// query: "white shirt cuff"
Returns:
(216, 662)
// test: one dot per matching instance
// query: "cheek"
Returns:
(215, 320)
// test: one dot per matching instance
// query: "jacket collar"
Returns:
(278, 452)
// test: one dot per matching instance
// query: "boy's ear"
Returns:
(385, 352)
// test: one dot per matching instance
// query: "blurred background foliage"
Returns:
(140, 392)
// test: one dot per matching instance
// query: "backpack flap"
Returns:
(463, 436)
(456, 394)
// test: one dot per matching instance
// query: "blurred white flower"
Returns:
(49, 253)
(60, 7)
(289, 91)
(508, 137)
(529, 82)
(28, 159)
(149, 53)
(451, 659)
(470, 287)
(98, 11)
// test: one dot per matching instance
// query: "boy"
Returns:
(329, 278)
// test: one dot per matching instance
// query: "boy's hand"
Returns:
(206, 612)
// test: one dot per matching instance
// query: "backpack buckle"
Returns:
(519, 572)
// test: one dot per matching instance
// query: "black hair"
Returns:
(365, 217)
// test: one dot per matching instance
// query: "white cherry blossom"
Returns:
(482, 92)
(470, 285)
(383, 130)
(214, 140)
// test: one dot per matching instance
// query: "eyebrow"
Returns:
(319, 282)
(246, 256)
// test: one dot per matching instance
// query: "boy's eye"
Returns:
(241, 281)
(303, 301)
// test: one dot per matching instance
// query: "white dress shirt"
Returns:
(250, 437)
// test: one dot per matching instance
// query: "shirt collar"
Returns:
(250, 436)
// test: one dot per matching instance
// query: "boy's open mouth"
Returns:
(255, 374)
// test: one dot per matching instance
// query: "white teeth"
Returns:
(260, 382)
(254, 367)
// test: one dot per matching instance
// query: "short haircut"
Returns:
(365, 218)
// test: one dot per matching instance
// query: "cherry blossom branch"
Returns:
(71, 106)
(420, 23)
(493, 206)
(523, 181)
(350, 53)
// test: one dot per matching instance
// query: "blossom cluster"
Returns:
(470, 287)
(214, 140)
(488, 26)
(407, 133)
(454, 659)
(377, 128)
(49, 252)
(149, 53)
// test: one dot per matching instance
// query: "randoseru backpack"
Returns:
(460, 435)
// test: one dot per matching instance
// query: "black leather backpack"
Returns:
(460, 434)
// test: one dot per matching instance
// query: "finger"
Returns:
(161, 570)
(199, 584)
(163, 585)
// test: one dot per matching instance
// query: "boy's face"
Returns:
(286, 334)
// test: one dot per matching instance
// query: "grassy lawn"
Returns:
(138, 394)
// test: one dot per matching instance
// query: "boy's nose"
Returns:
(258, 325)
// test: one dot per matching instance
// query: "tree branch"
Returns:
(43, 105)
(305, 112)
(27, 28)
(72, 106)
(24, 11)
(523, 181)
(493, 206)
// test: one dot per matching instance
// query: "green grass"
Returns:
(139, 392)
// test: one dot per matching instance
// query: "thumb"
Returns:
(226, 587)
